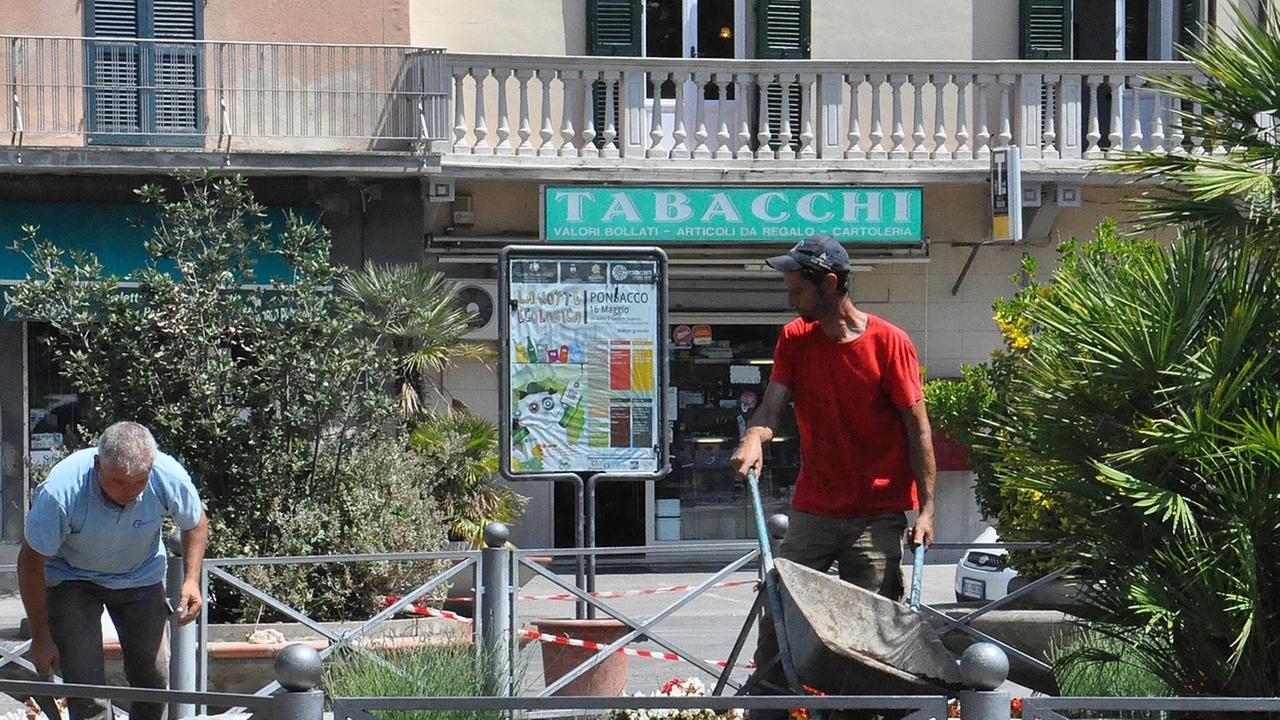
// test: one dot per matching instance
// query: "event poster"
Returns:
(584, 366)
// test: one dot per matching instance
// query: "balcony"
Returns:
(344, 109)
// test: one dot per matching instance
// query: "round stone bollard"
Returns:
(298, 670)
(984, 667)
(776, 525)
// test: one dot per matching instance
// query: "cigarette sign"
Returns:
(871, 215)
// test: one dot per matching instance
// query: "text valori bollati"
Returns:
(576, 306)
(707, 214)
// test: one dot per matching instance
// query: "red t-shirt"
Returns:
(854, 456)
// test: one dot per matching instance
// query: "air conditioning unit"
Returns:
(481, 298)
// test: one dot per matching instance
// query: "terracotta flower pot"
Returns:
(609, 678)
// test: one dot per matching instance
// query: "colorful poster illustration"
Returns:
(584, 370)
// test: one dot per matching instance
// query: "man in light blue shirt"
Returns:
(93, 541)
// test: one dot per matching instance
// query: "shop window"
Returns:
(719, 373)
(56, 413)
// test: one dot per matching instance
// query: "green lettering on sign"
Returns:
(868, 215)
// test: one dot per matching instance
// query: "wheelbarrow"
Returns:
(839, 639)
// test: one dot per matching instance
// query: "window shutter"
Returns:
(613, 27)
(782, 29)
(115, 67)
(144, 92)
(113, 19)
(1045, 30)
(1190, 25)
(782, 33)
(175, 66)
(174, 20)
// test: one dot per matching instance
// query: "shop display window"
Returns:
(56, 412)
(718, 375)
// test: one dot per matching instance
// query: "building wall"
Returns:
(381, 22)
(541, 27)
(948, 30)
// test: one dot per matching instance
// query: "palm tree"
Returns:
(412, 313)
(1138, 434)
(1225, 176)
(464, 448)
(1141, 419)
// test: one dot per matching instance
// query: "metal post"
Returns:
(589, 503)
(494, 596)
(298, 669)
(984, 667)
(182, 638)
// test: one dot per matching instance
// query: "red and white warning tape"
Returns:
(655, 654)
(558, 639)
(625, 593)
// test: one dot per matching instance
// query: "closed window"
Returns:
(144, 72)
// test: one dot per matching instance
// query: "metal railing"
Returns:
(231, 96)
(495, 568)
(494, 571)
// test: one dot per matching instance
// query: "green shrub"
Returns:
(1093, 664)
(462, 449)
(378, 503)
(441, 670)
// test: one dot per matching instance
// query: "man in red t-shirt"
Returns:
(866, 453)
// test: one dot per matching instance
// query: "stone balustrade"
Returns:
(869, 113)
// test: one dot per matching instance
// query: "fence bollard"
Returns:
(298, 669)
(182, 638)
(494, 601)
(776, 525)
(984, 667)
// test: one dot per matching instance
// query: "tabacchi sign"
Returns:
(871, 215)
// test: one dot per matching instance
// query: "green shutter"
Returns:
(782, 29)
(1045, 30)
(613, 27)
(148, 92)
(175, 19)
(1190, 25)
(113, 18)
(782, 33)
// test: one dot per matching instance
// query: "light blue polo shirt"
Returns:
(87, 537)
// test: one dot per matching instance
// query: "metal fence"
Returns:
(497, 617)
(233, 96)
(497, 624)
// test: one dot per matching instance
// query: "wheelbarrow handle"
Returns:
(762, 531)
(917, 576)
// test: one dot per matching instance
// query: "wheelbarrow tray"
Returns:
(845, 640)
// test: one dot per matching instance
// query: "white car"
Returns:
(983, 573)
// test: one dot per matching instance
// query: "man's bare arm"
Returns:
(920, 445)
(764, 423)
(43, 653)
(194, 543)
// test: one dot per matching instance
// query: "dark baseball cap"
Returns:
(816, 252)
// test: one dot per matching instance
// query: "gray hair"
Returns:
(128, 446)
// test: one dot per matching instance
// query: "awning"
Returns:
(114, 233)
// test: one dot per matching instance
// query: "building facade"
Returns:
(424, 131)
